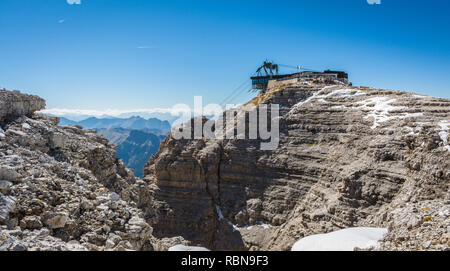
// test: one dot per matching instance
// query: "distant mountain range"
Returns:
(134, 147)
(136, 138)
(133, 123)
(77, 116)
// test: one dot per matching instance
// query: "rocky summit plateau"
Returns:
(348, 157)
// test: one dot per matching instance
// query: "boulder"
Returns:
(31, 223)
(7, 204)
(56, 220)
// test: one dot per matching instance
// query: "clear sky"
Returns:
(127, 54)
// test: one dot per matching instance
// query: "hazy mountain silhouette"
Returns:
(134, 147)
(133, 123)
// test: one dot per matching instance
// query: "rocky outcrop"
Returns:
(347, 157)
(61, 188)
(14, 104)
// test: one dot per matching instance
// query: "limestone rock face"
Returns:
(14, 104)
(347, 157)
(62, 188)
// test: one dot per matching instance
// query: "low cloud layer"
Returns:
(179, 111)
(110, 112)
(72, 2)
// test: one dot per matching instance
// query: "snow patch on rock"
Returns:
(236, 228)
(342, 240)
(445, 127)
(380, 109)
(219, 212)
(221, 217)
(26, 126)
(418, 96)
(346, 93)
(312, 97)
(187, 248)
(258, 224)
(413, 131)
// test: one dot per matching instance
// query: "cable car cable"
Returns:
(235, 94)
(239, 94)
(234, 91)
(237, 90)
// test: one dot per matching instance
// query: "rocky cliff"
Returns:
(347, 157)
(61, 188)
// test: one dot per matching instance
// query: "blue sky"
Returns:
(128, 54)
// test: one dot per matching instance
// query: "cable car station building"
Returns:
(328, 76)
